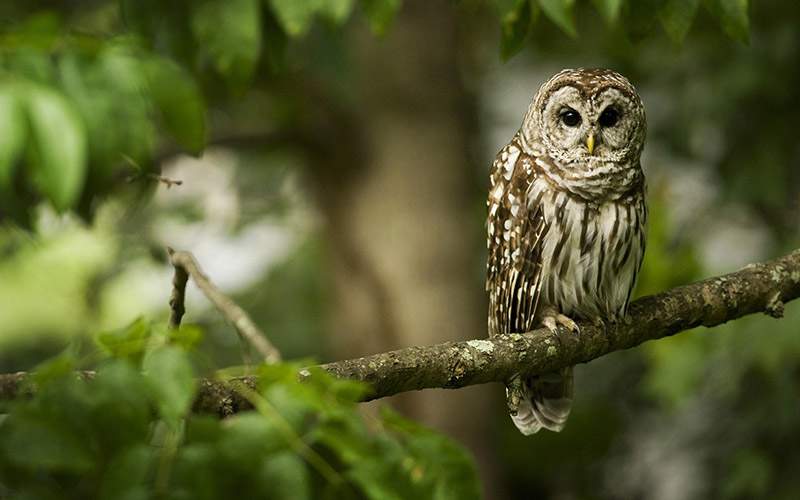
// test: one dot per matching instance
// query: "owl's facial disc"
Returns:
(579, 128)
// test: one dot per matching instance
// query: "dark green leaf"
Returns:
(677, 16)
(35, 441)
(178, 99)
(57, 146)
(126, 474)
(171, 379)
(230, 32)
(561, 12)
(515, 25)
(13, 130)
(287, 477)
(109, 90)
(733, 16)
(380, 13)
(436, 459)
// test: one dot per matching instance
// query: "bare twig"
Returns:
(186, 265)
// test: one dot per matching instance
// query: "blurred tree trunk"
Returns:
(405, 228)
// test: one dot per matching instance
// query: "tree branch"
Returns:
(185, 266)
(763, 287)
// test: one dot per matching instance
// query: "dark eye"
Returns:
(609, 117)
(570, 117)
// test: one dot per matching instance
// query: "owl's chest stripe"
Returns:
(590, 254)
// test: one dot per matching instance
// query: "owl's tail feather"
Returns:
(543, 401)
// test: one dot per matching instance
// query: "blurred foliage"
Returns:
(83, 94)
(95, 95)
(126, 433)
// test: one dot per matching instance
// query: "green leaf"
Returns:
(287, 477)
(733, 16)
(609, 9)
(294, 16)
(230, 32)
(54, 369)
(435, 459)
(515, 25)
(171, 379)
(186, 336)
(13, 130)
(677, 16)
(336, 10)
(32, 440)
(561, 12)
(126, 474)
(57, 146)
(179, 101)
(128, 342)
(380, 13)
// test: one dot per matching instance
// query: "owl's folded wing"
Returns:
(515, 227)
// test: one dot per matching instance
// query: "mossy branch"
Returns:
(758, 288)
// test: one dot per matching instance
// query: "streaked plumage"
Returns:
(566, 222)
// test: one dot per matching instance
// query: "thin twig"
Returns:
(185, 264)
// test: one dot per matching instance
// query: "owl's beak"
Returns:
(590, 143)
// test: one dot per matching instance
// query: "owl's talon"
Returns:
(551, 322)
(568, 323)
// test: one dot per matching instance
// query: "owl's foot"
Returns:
(551, 322)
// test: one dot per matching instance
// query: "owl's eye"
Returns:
(570, 117)
(609, 117)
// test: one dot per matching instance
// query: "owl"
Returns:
(566, 224)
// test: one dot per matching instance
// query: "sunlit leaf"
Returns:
(733, 15)
(230, 32)
(186, 336)
(179, 101)
(561, 12)
(12, 134)
(677, 16)
(380, 13)
(57, 146)
(336, 10)
(128, 342)
(171, 379)
(515, 24)
(609, 9)
(294, 16)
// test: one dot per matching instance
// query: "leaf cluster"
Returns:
(127, 432)
(635, 17)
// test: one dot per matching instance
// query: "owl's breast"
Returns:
(591, 252)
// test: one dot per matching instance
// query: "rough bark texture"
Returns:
(758, 288)
(763, 287)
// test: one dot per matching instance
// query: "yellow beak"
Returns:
(590, 143)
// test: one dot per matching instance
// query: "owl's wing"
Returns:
(514, 228)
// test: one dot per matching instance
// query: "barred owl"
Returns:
(566, 223)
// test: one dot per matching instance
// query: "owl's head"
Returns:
(587, 116)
